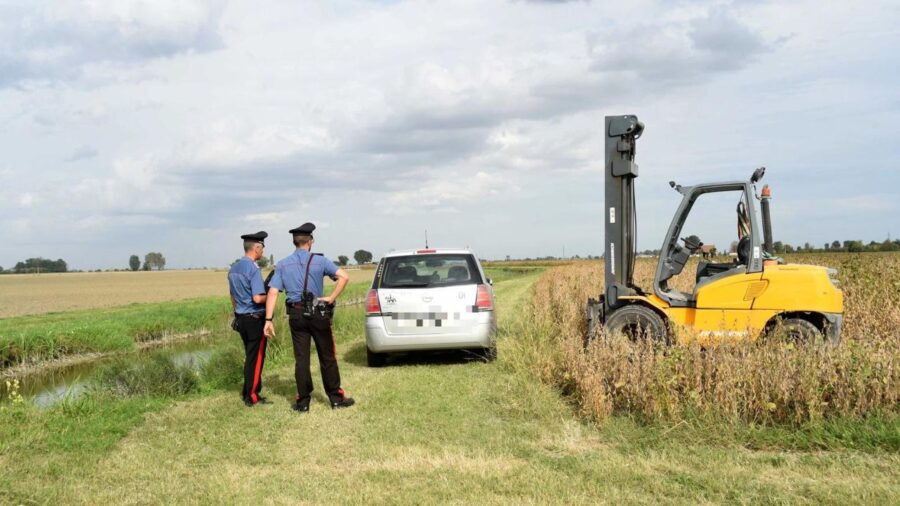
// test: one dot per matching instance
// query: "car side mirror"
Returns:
(490, 281)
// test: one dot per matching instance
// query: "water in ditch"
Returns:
(46, 388)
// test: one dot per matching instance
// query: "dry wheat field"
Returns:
(30, 294)
(766, 382)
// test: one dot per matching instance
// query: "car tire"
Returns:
(488, 354)
(375, 359)
(637, 322)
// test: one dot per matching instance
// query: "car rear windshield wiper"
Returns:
(409, 285)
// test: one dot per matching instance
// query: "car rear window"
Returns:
(427, 270)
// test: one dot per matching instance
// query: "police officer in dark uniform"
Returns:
(301, 275)
(248, 298)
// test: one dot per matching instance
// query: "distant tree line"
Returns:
(362, 256)
(37, 265)
(780, 247)
(839, 246)
(551, 257)
(263, 261)
(152, 261)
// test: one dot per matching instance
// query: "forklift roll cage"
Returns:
(671, 248)
(621, 171)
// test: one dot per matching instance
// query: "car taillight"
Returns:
(484, 301)
(373, 306)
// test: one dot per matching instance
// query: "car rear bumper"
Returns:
(482, 335)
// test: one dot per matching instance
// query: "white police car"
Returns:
(430, 299)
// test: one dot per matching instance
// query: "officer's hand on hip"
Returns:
(269, 329)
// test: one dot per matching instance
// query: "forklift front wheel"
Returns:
(637, 322)
(801, 331)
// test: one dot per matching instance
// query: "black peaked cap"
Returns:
(305, 229)
(259, 237)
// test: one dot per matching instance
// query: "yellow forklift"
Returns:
(745, 298)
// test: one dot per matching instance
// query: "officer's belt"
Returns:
(255, 316)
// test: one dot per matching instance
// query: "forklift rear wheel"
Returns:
(637, 322)
(802, 331)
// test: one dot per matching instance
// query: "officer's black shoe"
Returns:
(301, 405)
(263, 400)
(346, 402)
(248, 403)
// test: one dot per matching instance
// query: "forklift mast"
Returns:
(621, 220)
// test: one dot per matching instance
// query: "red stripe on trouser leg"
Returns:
(259, 355)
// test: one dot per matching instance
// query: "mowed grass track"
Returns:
(440, 431)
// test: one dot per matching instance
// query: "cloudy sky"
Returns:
(131, 126)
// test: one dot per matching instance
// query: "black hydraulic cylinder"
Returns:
(767, 220)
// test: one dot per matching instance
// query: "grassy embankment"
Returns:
(425, 430)
(29, 339)
(36, 338)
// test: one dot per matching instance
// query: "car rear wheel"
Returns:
(375, 359)
(637, 322)
(488, 354)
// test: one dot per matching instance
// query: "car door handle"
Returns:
(426, 298)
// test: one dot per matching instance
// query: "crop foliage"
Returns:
(766, 382)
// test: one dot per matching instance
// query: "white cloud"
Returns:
(690, 48)
(185, 119)
(133, 187)
(82, 153)
(53, 40)
(230, 143)
(450, 189)
(26, 200)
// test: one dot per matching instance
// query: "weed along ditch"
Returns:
(48, 385)
(139, 349)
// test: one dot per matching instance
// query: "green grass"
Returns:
(54, 335)
(352, 292)
(425, 430)
(39, 448)
(875, 434)
(500, 274)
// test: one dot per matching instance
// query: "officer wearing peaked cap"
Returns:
(301, 276)
(248, 299)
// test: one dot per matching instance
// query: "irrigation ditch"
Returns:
(49, 382)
